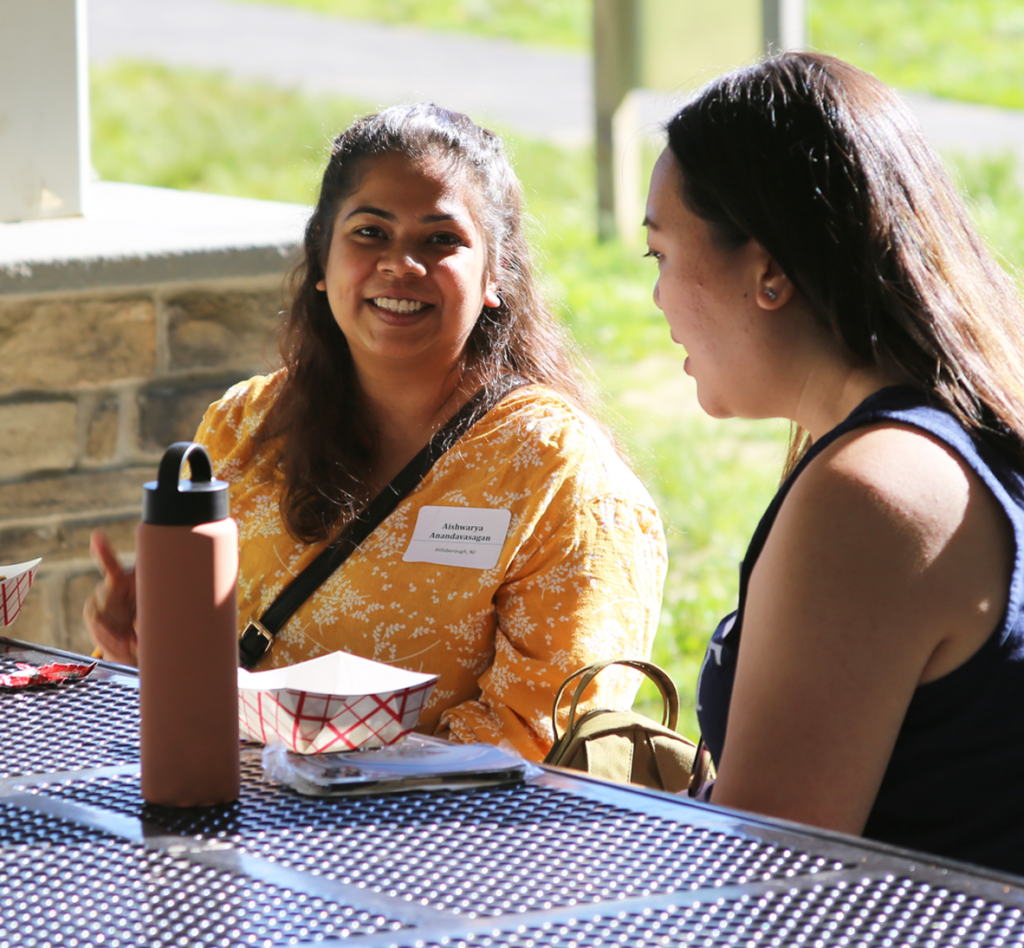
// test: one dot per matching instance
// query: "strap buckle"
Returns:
(253, 642)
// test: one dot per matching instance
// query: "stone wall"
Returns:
(93, 387)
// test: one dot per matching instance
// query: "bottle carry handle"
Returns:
(169, 478)
(171, 501)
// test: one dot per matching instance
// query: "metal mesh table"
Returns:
(557, 861)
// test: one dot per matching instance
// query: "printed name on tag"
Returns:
(459, 536)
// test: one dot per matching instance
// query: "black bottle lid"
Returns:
(172, 502)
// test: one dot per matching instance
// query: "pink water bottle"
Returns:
(186, 570)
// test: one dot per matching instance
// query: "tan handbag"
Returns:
(625, 746)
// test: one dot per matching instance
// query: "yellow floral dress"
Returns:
(577, 574)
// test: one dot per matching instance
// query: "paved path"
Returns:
(965, 128)
(539, 92)
(543, 93)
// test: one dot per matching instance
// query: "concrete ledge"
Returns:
(117, 330)
(133, 235)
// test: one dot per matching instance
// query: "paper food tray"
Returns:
(14, 587)
(335, 702)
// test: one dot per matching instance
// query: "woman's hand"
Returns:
(109, 613)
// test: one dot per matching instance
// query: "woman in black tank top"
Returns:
(817, 264)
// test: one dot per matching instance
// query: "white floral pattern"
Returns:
(579, 578)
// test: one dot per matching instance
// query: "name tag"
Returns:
(459, 536)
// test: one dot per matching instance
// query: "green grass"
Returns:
(711, 480)
(992, 184)
(180, 128)
(555, 23)
(971, 50)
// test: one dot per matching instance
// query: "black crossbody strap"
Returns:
(258, 635)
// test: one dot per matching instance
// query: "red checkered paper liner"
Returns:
(335, 702)
(14, 588)
(316, 724)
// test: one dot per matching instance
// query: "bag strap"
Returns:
(701, 770)
(258, 635)
(669, 694)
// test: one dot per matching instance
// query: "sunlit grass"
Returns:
(993, 186)
(711, 480)
(192, 130)
(971, 50)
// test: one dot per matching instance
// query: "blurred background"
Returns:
(210, 96)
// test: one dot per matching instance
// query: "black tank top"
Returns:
(955, 783)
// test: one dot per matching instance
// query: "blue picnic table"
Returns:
(558, 860)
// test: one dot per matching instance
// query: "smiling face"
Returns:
(406, 273)
(714, 300)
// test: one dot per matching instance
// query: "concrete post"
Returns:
(785, 25)
(667, 45)
(44, 109)
(615, 73)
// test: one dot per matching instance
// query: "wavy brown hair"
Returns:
(827, 169)
(327, 437)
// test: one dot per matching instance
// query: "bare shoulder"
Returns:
(875, 510)
(887, 567)
(895, 475)
(891, 511)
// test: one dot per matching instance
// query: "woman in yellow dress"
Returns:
(415, 292)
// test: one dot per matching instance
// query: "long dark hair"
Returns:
(826, 168)
(328, 440)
